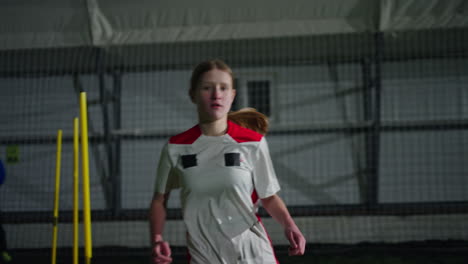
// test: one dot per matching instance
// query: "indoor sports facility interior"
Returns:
(367, 102)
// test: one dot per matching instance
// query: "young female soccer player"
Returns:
(223, 168)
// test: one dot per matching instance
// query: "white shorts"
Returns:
(250, 247)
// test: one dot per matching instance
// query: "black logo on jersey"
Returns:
(232, 159)
(189, 160)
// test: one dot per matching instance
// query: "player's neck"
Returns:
(214, 128)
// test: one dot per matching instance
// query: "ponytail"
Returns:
(250, 118)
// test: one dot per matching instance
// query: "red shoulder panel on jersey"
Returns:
(187, 137)
(242, 134)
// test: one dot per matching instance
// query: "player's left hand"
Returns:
(297, 241)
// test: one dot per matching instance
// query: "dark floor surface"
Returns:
(435, 252)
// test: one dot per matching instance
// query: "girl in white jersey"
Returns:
(223, 168)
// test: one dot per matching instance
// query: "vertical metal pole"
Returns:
(373, 195)
(367, 112)
(116, 172)
(94, 147)
(104, 100)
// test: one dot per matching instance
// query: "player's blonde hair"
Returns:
(246, 117)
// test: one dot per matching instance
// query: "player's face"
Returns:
(214, 95)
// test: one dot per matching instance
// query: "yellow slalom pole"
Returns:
(85, 171)
(76, 190)
(57, 195)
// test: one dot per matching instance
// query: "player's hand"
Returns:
(297, 241)
(161, 253)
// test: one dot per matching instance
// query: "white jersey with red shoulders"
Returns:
(221, 179)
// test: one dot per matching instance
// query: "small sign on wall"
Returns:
(12, 154)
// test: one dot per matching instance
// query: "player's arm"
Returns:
(160, 248)
(275, 206)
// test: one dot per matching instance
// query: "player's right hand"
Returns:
(161, 253)
(297, 241)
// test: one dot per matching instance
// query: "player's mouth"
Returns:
(215, 106)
